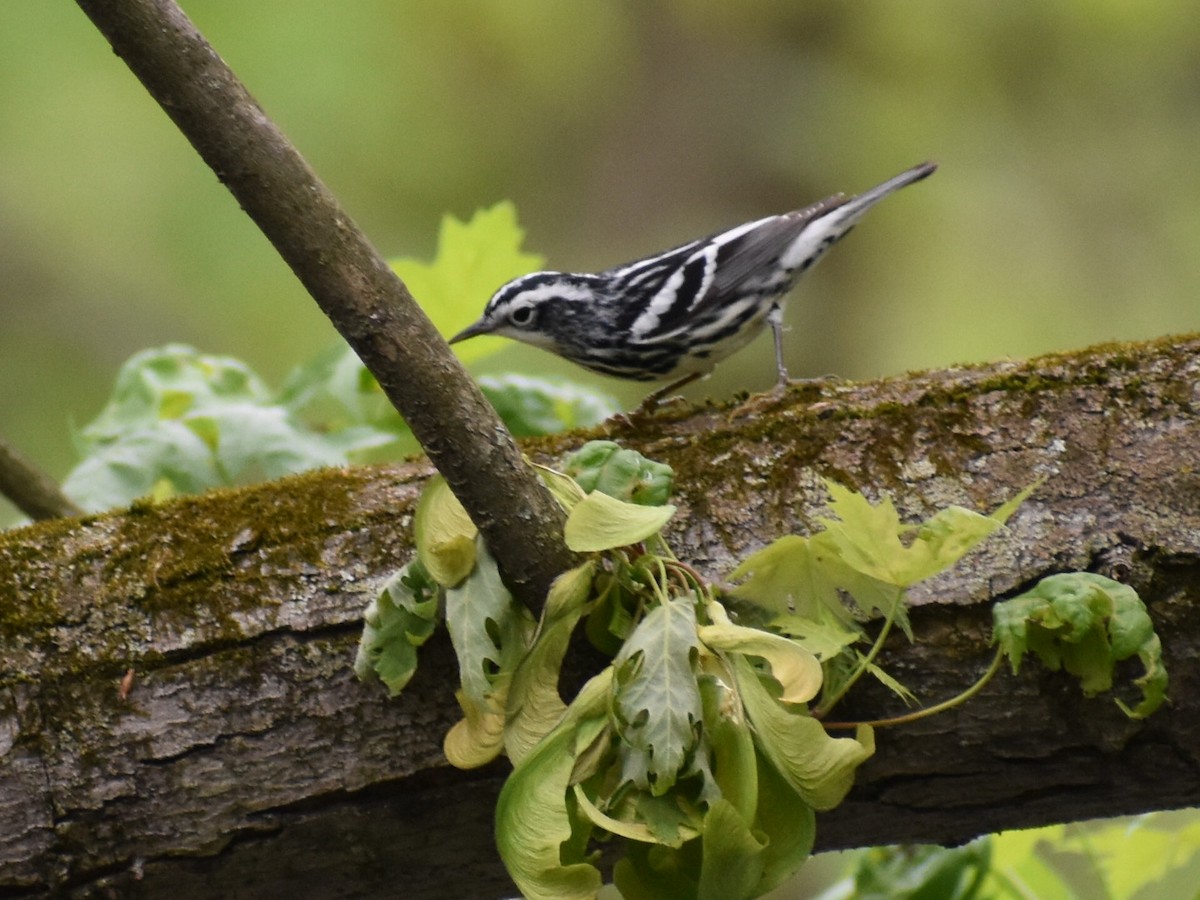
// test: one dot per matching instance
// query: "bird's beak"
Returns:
(470, 331)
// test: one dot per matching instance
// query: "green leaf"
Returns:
(732, 864)
(165, 383)
(789, 824)
(796, 669)
(600, 522)
(182, 421)
(651, 872)
(536, 828)
(867, 538)
(444, 533)
(534, 705)
(734, 760)
(1004, 512)
(473, 260)
(923, 873)
(397, 621)
(671, 819)
(792, 575)
(655, 697)
(889, 682)
(254, 443)
(611, 620)
(535, 406)
(824, 641)
(819, 768)
(1085, 623)
(334, 391)
(606, 467)
(117, 473)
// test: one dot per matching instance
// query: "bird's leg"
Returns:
(775, 320)
(652, 401)
(753, 405)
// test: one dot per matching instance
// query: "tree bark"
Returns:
(241, 758)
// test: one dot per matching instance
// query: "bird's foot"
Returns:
(644, 411)
(758, 403)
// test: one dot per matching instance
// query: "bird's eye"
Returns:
(521, 316)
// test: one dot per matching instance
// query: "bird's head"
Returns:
(534, 309)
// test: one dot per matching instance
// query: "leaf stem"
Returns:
(918, 714)
(824, 708)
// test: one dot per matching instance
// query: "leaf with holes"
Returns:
(489, 631)
(656, 697)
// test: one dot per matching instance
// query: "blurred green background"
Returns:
(1066, 210)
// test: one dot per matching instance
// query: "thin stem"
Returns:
(918, 714)
(865, 664)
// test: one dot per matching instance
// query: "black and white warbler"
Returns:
(676, 314)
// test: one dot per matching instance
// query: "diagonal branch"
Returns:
(30, 489)
(363, 298)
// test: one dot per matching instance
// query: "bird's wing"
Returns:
(663, 293)
(756, 253)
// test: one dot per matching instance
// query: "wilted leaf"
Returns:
(797, 670)
(534, 825)
(477, 738)
(397, 621)
(534, 706)
(600, 522)
(820, 768)
(444, 533)
(1085, 623)
(489, 631)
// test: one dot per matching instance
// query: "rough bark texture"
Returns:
(246, 761)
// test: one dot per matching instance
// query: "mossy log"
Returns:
(178, 715)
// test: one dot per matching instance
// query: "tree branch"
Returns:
(30, 489)
(246, 759)
(363, 298)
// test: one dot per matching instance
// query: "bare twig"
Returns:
(364, 299)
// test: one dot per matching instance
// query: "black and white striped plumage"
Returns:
(676, 314)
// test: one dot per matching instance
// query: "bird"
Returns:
(676, 314)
